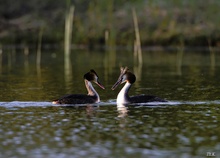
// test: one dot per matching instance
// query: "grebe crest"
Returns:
(125, 76)
(91, 76)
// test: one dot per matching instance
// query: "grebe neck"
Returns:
(123, 97)
(91, 90)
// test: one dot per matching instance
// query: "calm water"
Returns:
(186, 126)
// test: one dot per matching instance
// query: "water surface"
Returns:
(186, 126)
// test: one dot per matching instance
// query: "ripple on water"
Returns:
(16, 104)
(143, 128)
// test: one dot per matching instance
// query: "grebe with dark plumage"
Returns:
(124, 98)
(90, 98)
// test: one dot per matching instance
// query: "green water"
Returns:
(186, 126)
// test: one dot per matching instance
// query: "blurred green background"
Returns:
(161, 23)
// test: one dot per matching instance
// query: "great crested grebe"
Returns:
(91, 97)
(124, 98)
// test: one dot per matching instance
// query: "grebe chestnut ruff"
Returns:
(92, 97)
(124, 98)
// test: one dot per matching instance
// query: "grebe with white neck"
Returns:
(91, 97)
(123, 98)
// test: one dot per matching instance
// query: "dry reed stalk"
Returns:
(212, 53)
(137, 47)
(40, 35)
(68, 30)
(180, 53)
(67, 45)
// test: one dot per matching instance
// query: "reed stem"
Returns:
(68, 30)
(137, 47)
(212, 53)
(67, 46)
(40, 35)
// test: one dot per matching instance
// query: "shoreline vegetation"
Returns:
(161, 24)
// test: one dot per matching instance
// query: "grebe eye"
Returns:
(123, 78)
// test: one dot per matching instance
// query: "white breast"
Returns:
(122, 97)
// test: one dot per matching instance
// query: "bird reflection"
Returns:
(90, 109)
(122, 110)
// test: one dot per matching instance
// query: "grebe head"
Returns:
(125, 76)
(92, 76)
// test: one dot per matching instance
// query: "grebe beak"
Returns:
(117, 83)
(99, 84)
(122, 78)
